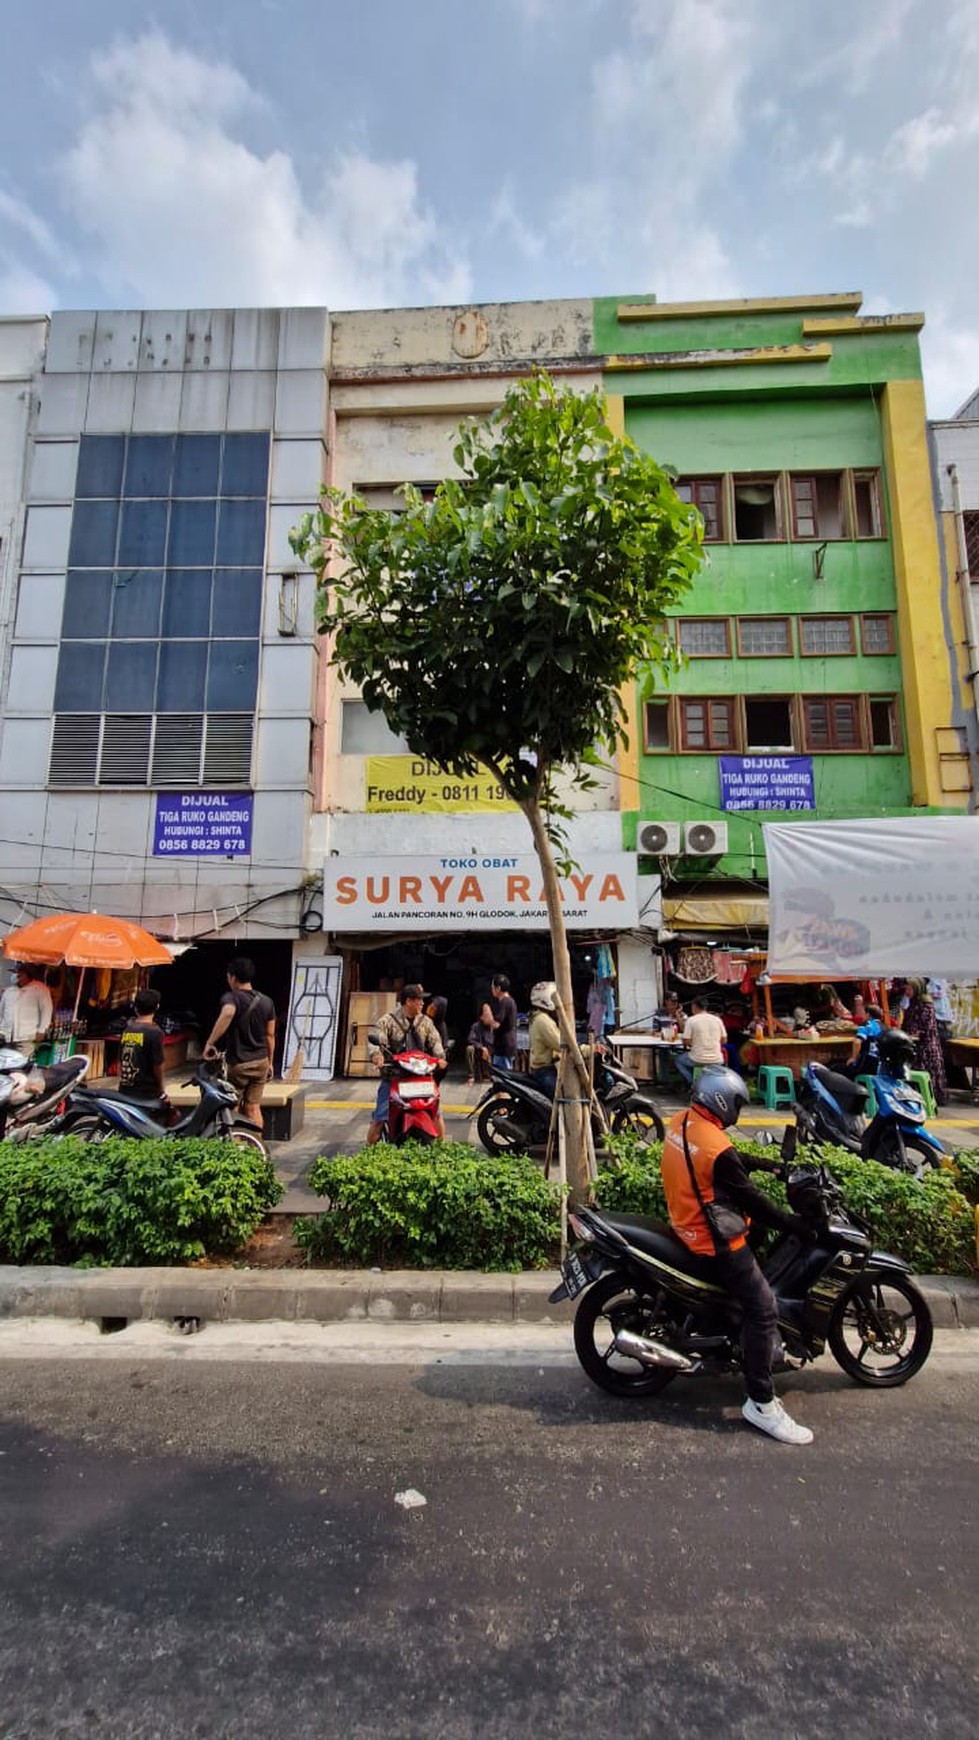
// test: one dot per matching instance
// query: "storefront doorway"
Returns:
(193, 986)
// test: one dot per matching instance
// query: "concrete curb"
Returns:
(337, 1295)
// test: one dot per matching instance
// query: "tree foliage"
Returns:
(498, 622)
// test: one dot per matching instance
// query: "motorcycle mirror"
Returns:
(790, 1142)
(374, 1039)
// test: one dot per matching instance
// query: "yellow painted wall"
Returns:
(917, 570)
(628, 755)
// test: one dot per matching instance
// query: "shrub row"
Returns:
(450, 1207)
(126, 1203)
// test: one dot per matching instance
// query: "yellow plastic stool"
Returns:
(776, 1085)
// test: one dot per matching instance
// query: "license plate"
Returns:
(415, 1090)
(578, 1274)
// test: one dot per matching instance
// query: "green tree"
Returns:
(497, 624)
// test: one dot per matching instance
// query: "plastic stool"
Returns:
(867, 1081)
(922, 1081)
(776, 1085)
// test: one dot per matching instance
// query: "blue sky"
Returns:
(384, 153)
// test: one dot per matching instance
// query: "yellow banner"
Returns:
(400, 784)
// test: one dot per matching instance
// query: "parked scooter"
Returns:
(648, 1313)
(414, 1102)
(514, 1114)
(95, 1113)
(32, 1096)
(831, 1108)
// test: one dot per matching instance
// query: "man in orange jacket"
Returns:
(700, 1168)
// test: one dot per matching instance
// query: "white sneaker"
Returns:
(771, 1417)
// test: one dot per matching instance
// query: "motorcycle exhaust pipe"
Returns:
(650, 1352)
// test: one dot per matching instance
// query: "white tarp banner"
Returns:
(895, 896)
(484, 891)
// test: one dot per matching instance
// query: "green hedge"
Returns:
(438, 1207)
(128, 1203)
(930, 1224)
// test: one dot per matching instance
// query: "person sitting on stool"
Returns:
(704, 1037)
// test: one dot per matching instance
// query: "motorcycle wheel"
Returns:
(246, 1139)
(642, 1118)
(884, 1320)
(905, 1154)
(88, 1128)
(613, 1303)
(498, 1130)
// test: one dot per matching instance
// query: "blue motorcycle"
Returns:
(831, 1108)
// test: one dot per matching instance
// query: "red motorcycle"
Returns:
(413, 1109)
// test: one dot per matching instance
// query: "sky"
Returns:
(375, 153)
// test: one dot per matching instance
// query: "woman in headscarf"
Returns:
(919, 1021)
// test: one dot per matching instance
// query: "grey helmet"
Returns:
(543, 994)
(722, 1092)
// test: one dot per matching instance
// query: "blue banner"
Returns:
(766, 782)
(203, 824)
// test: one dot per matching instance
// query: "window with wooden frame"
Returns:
(826, 636)
(817, 504)
(706, 494)
(708, 723)
(877, 635)
(866, 518)
(768, 722)
(885, 722)
(757, 510)
(761, 637)
(704, 637)
(832, 722)
(656, 726)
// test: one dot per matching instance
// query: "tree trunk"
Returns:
(572, 1082)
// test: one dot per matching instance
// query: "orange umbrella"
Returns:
(86, 939)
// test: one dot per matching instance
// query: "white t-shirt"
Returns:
(705, 1034)
(25, 1011)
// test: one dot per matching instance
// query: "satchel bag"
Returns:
(725, 1224)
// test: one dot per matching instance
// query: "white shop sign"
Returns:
(481, 892)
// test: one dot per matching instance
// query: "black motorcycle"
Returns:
(650, 1312)
(95, 1113)
(514, 1114)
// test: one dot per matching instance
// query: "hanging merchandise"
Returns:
(604, 964)
(596, 1010)
(696, 966)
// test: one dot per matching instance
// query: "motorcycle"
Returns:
(413, 1105)
(33, 1096)
(831, 1108)
(95, 1113)
(514, 1114)
(649, 1312)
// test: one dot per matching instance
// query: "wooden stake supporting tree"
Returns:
(496, 624)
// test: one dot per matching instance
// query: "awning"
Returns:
(716, 912)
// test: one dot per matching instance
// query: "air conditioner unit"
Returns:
(659, 838)
(705, 839)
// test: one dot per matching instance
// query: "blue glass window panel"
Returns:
(143, 534)
(186, 603)
(88, 599)
(241, 534)
(192, 534)
(100, 460)
(136, 602)
(232, 676)
(93, 534)
(237, 605)
(130, 676)
(196, 465)
(181, 677)
(149, 465)
(246, 465)
(79, 684)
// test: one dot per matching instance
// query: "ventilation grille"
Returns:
(177, 749)
(228, 750)
(125, 748)
(75, 749)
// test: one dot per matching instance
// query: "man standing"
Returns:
(703, 1038)
(406, 1028)
(25, 1007)
(247, 1016)
(141, 1052)
(505, 1016)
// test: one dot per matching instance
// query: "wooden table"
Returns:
(650, 1053)
(830, 1049)
(966, 1053)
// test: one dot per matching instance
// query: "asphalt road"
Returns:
(200, 1545)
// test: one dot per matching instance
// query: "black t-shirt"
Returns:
(246, 1041)
(505, 1036)
(140, 1051)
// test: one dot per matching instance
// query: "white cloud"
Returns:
(23, 291)
(181, 210)
(913, 145)
(18, 215)
(950, 356)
